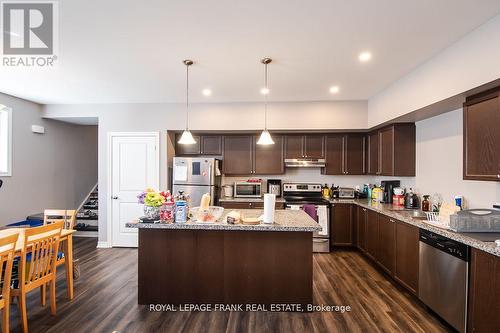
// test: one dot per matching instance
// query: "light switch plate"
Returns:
(38, 129)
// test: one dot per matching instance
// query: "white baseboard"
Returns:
(103, 245)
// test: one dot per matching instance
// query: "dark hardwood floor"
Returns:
(106, 301)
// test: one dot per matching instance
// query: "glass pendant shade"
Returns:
(186, 138)
(265, 138)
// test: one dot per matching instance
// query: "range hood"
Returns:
(305, 162)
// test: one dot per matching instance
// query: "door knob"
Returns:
(114, 197)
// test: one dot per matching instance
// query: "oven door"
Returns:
(322, 217)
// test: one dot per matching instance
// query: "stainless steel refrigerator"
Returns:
(196, 176)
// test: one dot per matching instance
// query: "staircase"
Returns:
(86, 218)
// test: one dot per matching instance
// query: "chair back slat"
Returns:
(43, 244)
(7, 250)
(56, 215)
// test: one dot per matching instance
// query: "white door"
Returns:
(135, 167)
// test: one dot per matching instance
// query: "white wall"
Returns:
(54, 170)
(470, 62)
(228, 116)
(440, 163)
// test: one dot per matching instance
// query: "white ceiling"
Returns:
(131, 51)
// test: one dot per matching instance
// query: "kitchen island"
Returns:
(220, 263)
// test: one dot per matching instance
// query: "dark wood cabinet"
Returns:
(243, 156)
(393, 152)
(371, 234)
(305, 146)
(482, 137)
(373, 167)
(211, 145)
(362, 216)
(484, 293)
(248, 205)
(386, 254)
(238, 155)
(334, 155)
(342, 224)
(269, 159)
(205, 145)
(194, 149)
(345, 154)
(407, 252)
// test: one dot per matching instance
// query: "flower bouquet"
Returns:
(153, 202)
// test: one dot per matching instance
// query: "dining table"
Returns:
(67, 248)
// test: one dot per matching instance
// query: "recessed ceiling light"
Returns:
(364, 56)
(264, 91)
(206, 92)
(334, 89)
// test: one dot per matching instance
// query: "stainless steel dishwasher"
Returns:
(443, 277)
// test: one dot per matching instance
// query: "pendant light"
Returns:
(187, 137)
(265, 137)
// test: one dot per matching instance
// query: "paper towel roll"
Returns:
(269, 204)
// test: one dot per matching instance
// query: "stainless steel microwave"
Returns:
(247, 189)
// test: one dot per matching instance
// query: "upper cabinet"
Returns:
(391, 150)
(243, 156)
(482, 137)
(205, 145)
(345, 154)
(305, 146)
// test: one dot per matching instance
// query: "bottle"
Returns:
(325, 190)
(426, 205)
(181, 208)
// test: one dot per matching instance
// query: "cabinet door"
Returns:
(193, 149)
(482, 140)
(341, 224)
(334, 155)
(268, 159)
(386, 255)
(407, 248)
(314, 146)
(386, 151)
(371, 231)
(211, 145)
(354, 154)
(238, 155)
(373, 166)
(484, 293)
(294, 146)
(361, 226)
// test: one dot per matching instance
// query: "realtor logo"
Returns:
(29, 33)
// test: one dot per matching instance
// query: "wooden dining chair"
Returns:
(7, 249)
(68, 217)
(37, 266)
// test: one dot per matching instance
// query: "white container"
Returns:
(269, 206)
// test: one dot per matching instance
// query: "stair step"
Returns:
(86, 228)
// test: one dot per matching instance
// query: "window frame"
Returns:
(8, 173)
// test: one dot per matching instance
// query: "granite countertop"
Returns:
(407, 216)
(285, 220)
(231, 199)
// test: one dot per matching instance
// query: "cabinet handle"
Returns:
(498, 176)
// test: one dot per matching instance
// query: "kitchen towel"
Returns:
(311, 211)
(269, 205)
(323, 220)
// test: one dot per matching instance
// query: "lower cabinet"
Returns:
(248, 205)
(407, 249)
(484, 293)
(361, 227)
(386, 254)
(371, 237)
(342, 224)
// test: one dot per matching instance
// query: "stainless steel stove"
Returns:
(308, 197)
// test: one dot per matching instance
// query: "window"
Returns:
(5, 141)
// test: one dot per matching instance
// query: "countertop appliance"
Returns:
(196, 176)
(274, 187)
(297, 195)
(227, 191)
(443, 277)
(346, 193)
(412, 201)
(305, 162)
(388, 187)
(248, 189)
